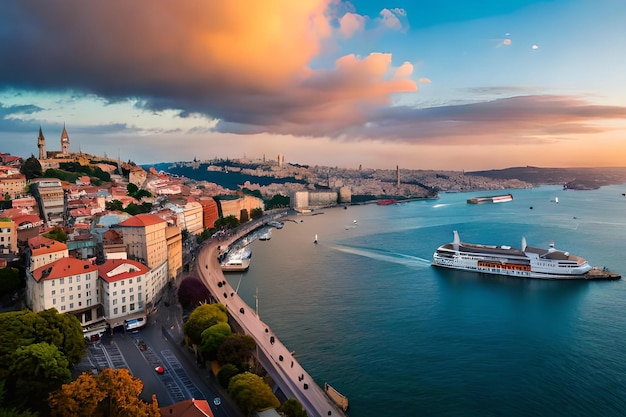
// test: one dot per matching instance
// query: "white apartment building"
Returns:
(68, 284)
(126, 288)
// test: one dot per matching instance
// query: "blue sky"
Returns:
(458, 85)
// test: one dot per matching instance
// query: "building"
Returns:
(123, 288)
(13, 185)
(187, 408)
(210, 213)
(144, 238)
(234, 207)
(308, 200)
(50, 197)
(68, 284)
(174, 239)
(43, 251)
(8, 240)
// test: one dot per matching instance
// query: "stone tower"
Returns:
(41, 144)
(65, 142)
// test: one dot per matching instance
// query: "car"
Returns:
(159, 370)
(217, 400)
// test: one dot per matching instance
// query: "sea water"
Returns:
(365, 311)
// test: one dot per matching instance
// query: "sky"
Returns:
(419, 84)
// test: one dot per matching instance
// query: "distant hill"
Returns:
(574, 178)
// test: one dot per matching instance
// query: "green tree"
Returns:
(35, 371)
(256, 213)
(236, 349)
(65, 332)
(14, 412)
(31, 168)
(114, 392)
(251, 393)
(9, 280)
(292, 408)
(131, 189)
(228, 222)
(243, 215)
(202, 318)
(226, 373)
(212, 338)
(57, 234)
(114, 205)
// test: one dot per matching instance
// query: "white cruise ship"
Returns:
(527, 262)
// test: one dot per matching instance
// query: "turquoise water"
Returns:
(365, 311)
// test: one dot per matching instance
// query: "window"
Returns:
(123, 299)
(123, 309)
(114, 293)
(132, 307)
(123, 291)
(54, 301)
(114, 301)
(63, 308)
(131, 298)
(71, 305)
(78, 279)
(63, 299)
(54, 292)
(115, 310)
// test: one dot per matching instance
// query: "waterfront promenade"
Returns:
(278, 361)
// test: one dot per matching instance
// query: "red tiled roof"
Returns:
(106, 268)
(61, 268)
(187, 408)
(40, 245)
(142, 220)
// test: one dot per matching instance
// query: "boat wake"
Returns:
(387, 256)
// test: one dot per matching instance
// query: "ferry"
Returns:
(505, 198)
(527, 262)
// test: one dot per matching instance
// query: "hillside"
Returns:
(573, 178)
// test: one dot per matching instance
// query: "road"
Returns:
(158, 344)
(278, 361)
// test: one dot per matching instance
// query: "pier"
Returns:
(277, 360)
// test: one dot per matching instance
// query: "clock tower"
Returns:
(41, 144)
(65, 142)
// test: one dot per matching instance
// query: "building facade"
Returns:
(8, 237)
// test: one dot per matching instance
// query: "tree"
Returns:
(256, 213)
(292, 408)
(114, 392)
(226, 373)
(236, 349)
(212, 338)
(114, 205)
(36, 370)
(131, 189)
(228, 222)
(251, 393)
(65, 332)
(57, 234)
(31, 168)
(9, 280)
(192, 292)
(202, 318)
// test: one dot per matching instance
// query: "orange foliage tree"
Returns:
(113, 393)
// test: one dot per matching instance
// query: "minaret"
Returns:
(41, 144)
(65, 142)
(398, 174)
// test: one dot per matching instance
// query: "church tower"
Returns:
(41, 144)
(65, 142)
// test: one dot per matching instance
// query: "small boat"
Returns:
(386, 202)
(315, 240)
(266, 236)
(238, 261)
(276, 224)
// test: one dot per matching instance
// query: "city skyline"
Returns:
(445, 86)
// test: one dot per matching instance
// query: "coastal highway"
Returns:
(287, 373)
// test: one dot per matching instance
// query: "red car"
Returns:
(159, 370)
